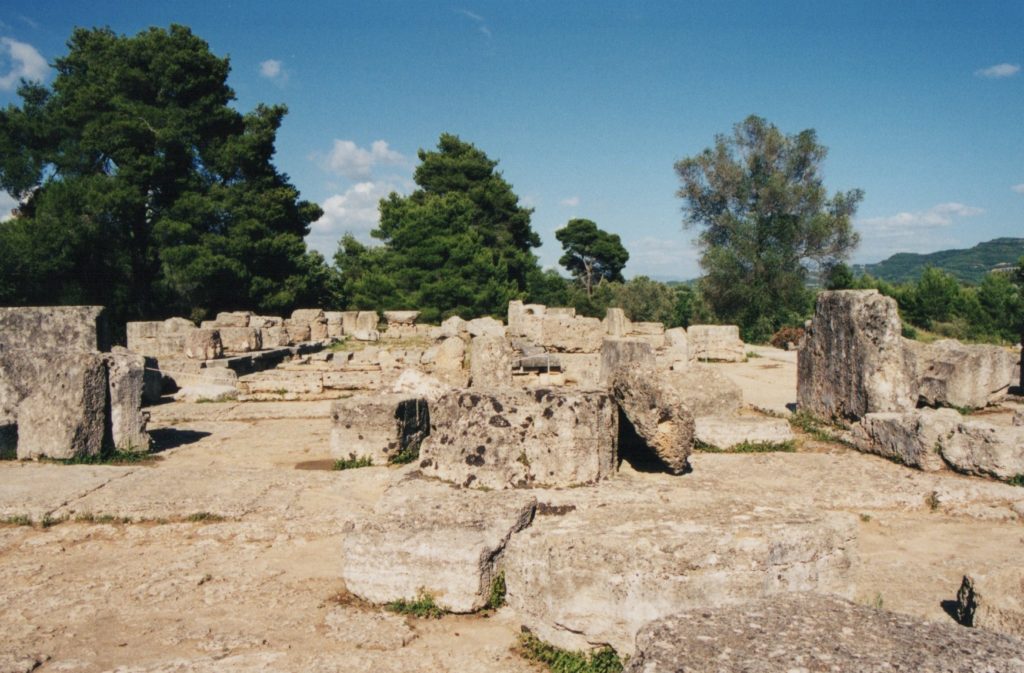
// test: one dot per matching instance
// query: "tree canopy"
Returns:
(591, 254)
(141, 188)
(766, 220)
(459, 244)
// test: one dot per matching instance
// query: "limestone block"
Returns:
(371, 379)
(725, 432)
(716, 343)
(628, 352)
(453, 326)
(1018, 417)
(366, 335)
(126, 380)
(274, 337)
(428, 537)
(912, 437)
(152, 381)
(401, 317)
(318, 329)
(64, 415)
(705, 391)
(240, 339)
(994, 601)
(486, 326)
(808, 632)
(984, 449)
(203, 344)
(348, 321)
(653, 328)
(282, 381)
(262, 322)
(378, 426)
(566, 311)
(334, 317)
(307, 315)
(571, 334)
(657, 414)
(46, 328)
(367, 321)
(335, 330)
(298, 332)
(143, 330)
(414, 383)
(514, 438)
(607, 561)
(490, 362)
(448, 359)
(952, 374)
(852, 361)
(616, 324)
(525, 320)
(677, 348)
(171, 344)
(582, 370)
(233, 319)
(177, 326)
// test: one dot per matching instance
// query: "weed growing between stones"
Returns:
(932, 501)
(1017, 480)
(604, 660)
(497, 596)
(108, 457)
(352, 463)
(814, 427)
(748, 447)
(752, 355)
(204, 517)
(406, 455)
(89, 517)
(18, 520)
(423, 606)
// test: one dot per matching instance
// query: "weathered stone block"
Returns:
(45, 328)
(486, 326)
(490, 362)
(716, 343)
(582, 370)
(808, 632)
(349, 321)
(725, 432)
(240, 339)
(262, 322)
(453, 326)
(401, 317)
(274, 337)
(705, 391)
(307, 315)
(298, 332)
(203, 344)
(126, 373)
(143, 330)
(609, 562)
(656, 413)
(949, 373)
(177, 326)
(912, 437)
(511, 438)
(984, 449)
(994, 601)
(367, 321)
(378, 426)
(318, 329)
(616, 324)
(233, 319)
(852, 361)
(524, 320)
(171, 344)
(571, 334)
(677, 348)
(283, 382)
(63, 416)
(429, 537)
(617, 353)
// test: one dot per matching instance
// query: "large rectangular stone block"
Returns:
(378, 427)
(949, 373)
(513, 438)
(126, 381)
(240, 339)
(716, 343)
(45, 328)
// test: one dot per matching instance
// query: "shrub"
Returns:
(787, 335)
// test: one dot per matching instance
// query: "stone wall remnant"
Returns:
(716, 343)
(951, 374)
(126, 373)
(656, 413)
(378, 427)
(490, 362)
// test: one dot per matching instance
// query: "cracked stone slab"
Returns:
(427, 536)
(34, 490)
(599, 563)
(807, 632)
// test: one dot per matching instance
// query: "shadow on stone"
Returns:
(951, 609)
(634, 450)
(171, 438)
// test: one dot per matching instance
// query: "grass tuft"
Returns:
(497, 596)
(406, 455)
(814, 427)
(105, 458)
(17, 520)
(204, 517)
(1017, 480)
(423, 606)
(352, 463)
(788, 446)
(604, 660)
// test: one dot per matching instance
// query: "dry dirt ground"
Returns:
(222, 554)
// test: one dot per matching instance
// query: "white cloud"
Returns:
(941, 215)
(354, 211)
(25, 63)
(274, 70)
(570, 202)
(7, 204)
(998, 71)
(480, 21)
(1018, 188)
(662, 258)
(356, 163)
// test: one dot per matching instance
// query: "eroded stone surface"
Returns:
(429, 537)
(43, 328)
(513, 438)
(984, 449)
(725, 432)
(126, 374)
(705, 391)
(717, 343)
(204, 344)
(617, 353)
(490, 362)
(808, 632)
(993, 601)
(656, 413)
(377, 426)
(912, 438)
(949, 373)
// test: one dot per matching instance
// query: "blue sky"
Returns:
(587, 106)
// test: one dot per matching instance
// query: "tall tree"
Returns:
(591, 255)
(143, 189)
(766, 220)
(459, 244)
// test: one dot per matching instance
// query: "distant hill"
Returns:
(969, 265)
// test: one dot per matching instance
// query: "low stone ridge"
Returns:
(912, 438)
(45, 328)
(515, 438)
(656, 413)
(378, 427)
(994, 601)
(949, 373)
(726, 432)
(429, 537)
(614, 558)
(808, 632)
(852, 361)
(705, 391)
